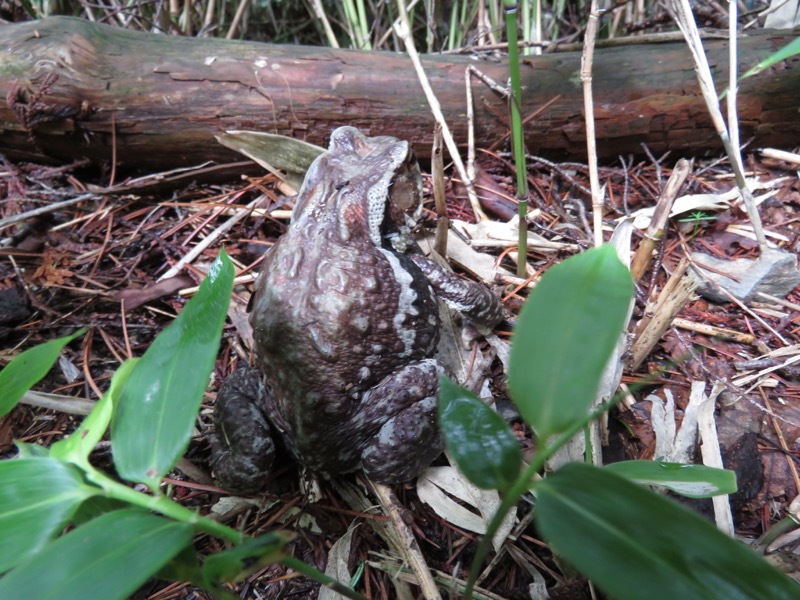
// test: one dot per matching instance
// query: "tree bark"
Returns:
(75, 89)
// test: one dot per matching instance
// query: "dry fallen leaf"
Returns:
(49, 272)
(439, 487)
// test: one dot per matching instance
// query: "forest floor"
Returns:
(74, 267)
(98, 264)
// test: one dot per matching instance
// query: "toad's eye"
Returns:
(340, 186)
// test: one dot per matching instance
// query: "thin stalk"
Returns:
(518, 140)
(454, 32)
(319, 12)
(526, 26)
(681, 13)
(733, 121)
(354, 25)
(536, 34)
(162, 505)
(520, 487)
(403, 30)
(588, 106)
(363, 26)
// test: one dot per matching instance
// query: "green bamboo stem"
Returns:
(518, 141)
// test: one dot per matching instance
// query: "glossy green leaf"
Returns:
(79, 444)
(159, 403)
(106, 559)
(787, 51)
(22, 373)
(38, 496)
(238, 562)
(565, 335)
(634, 543)
(480, 441)
(694, 481)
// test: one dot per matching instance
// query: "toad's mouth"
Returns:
(396, 229)
(402, 207)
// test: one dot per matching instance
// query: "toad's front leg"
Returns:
(473, 300)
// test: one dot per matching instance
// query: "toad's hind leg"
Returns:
(242, 449)
(409, 439)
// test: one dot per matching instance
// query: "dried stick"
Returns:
(437, 184)
(588, 106)
(45, 209)
(408, 543)
(210, 239)
(717, 332)
(682, 15)
(791, 157)
(658, 316)
(655, 230)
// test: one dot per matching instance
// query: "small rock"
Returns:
(775, 272)
(13, 306)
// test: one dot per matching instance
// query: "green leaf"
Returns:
(787, 51)
(694, 481)
(184, 566)
(635, 544)
(240, 561)
(565, 335)
(31, 450)
(482, 444)
(96, 506)
(28, 368)
(105, 559)
(79, 444)
(38, 496)
(153, 422)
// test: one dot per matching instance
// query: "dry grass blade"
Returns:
(712, 455)
(683, 16)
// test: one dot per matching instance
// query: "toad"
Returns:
(346, 328)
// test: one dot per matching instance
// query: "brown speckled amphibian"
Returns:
(346, 327)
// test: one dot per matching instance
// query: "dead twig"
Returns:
(655, 230)
(588, 106)
(408, 543)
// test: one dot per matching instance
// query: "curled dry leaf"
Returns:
(135, 297)
(438, 486)
(338, 557)
(696, 202)
(492, 197)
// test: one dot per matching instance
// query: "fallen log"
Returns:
(75, 89)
